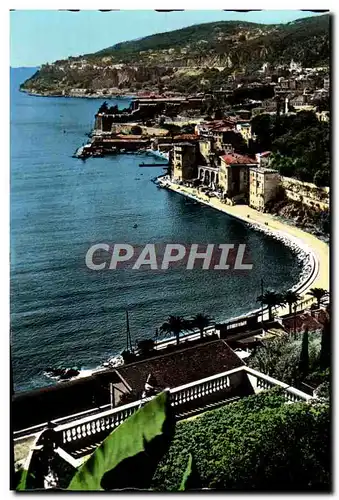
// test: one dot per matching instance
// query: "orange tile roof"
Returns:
(237, 159)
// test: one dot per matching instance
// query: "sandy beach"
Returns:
(320, 276)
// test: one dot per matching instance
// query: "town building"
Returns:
(184, 165)
(245, 131)
(234, 176)
(263, 186)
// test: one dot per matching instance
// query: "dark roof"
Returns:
(181, 367)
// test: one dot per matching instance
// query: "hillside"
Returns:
(199, 57)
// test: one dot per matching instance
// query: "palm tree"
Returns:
(290, 298)
(318, 294)
(175, 325)
(201, 321)
(271, 299)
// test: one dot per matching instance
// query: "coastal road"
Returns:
(320, 276)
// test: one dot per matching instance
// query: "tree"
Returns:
(290, 298)
(304, 356)
(145, 346)
(175, 325)
(325, 351)
(271, 299)
(201, 321)
(318, 294)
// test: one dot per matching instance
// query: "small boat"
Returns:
(135, 226)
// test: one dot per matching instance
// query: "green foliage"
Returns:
(300, 143)
(22, 480)
(318, 294)
(280, 358)
(201, 321)
(304, 355)
(233, 45)
(174, 326)
(259, 443)
(271, 299)
(128, 457)
(291, 298)
(191, 479)
(305, 40)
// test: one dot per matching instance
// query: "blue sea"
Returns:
(62, 313)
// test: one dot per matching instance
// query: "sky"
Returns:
(41, 36)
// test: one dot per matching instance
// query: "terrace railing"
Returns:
(94, 427)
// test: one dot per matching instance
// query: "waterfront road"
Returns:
(320, 275)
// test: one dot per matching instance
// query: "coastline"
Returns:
(313, 252)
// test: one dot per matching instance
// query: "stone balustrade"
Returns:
(96, 426)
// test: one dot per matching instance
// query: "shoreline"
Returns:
(117, 95)
(313, 252)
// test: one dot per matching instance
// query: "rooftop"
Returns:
(238, 159)
(181, 367)
(264, 170)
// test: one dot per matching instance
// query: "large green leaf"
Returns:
(191, 479)
(128, 457)
(21, 478)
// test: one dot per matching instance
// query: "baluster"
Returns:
(68, 435)
(79, 436)
(64, 436)
(73, 432)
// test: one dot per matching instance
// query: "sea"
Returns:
(66, 315)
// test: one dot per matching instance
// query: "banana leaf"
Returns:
(191, 479)
(128, 457)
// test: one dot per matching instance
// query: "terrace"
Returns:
(78, 435)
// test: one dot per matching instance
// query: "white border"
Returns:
(4, 184)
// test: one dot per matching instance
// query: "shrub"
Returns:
(259, 443)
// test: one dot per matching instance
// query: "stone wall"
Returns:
(307, 193)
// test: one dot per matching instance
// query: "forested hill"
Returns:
(164, 58)
(305, 40)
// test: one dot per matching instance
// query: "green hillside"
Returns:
(195, 58)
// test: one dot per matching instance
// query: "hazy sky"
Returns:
(40, 36)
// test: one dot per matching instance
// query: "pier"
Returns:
(153, 164)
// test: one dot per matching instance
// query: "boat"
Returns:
(135, 226)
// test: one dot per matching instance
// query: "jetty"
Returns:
(153, 164)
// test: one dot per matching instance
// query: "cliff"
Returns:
(197, 58)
